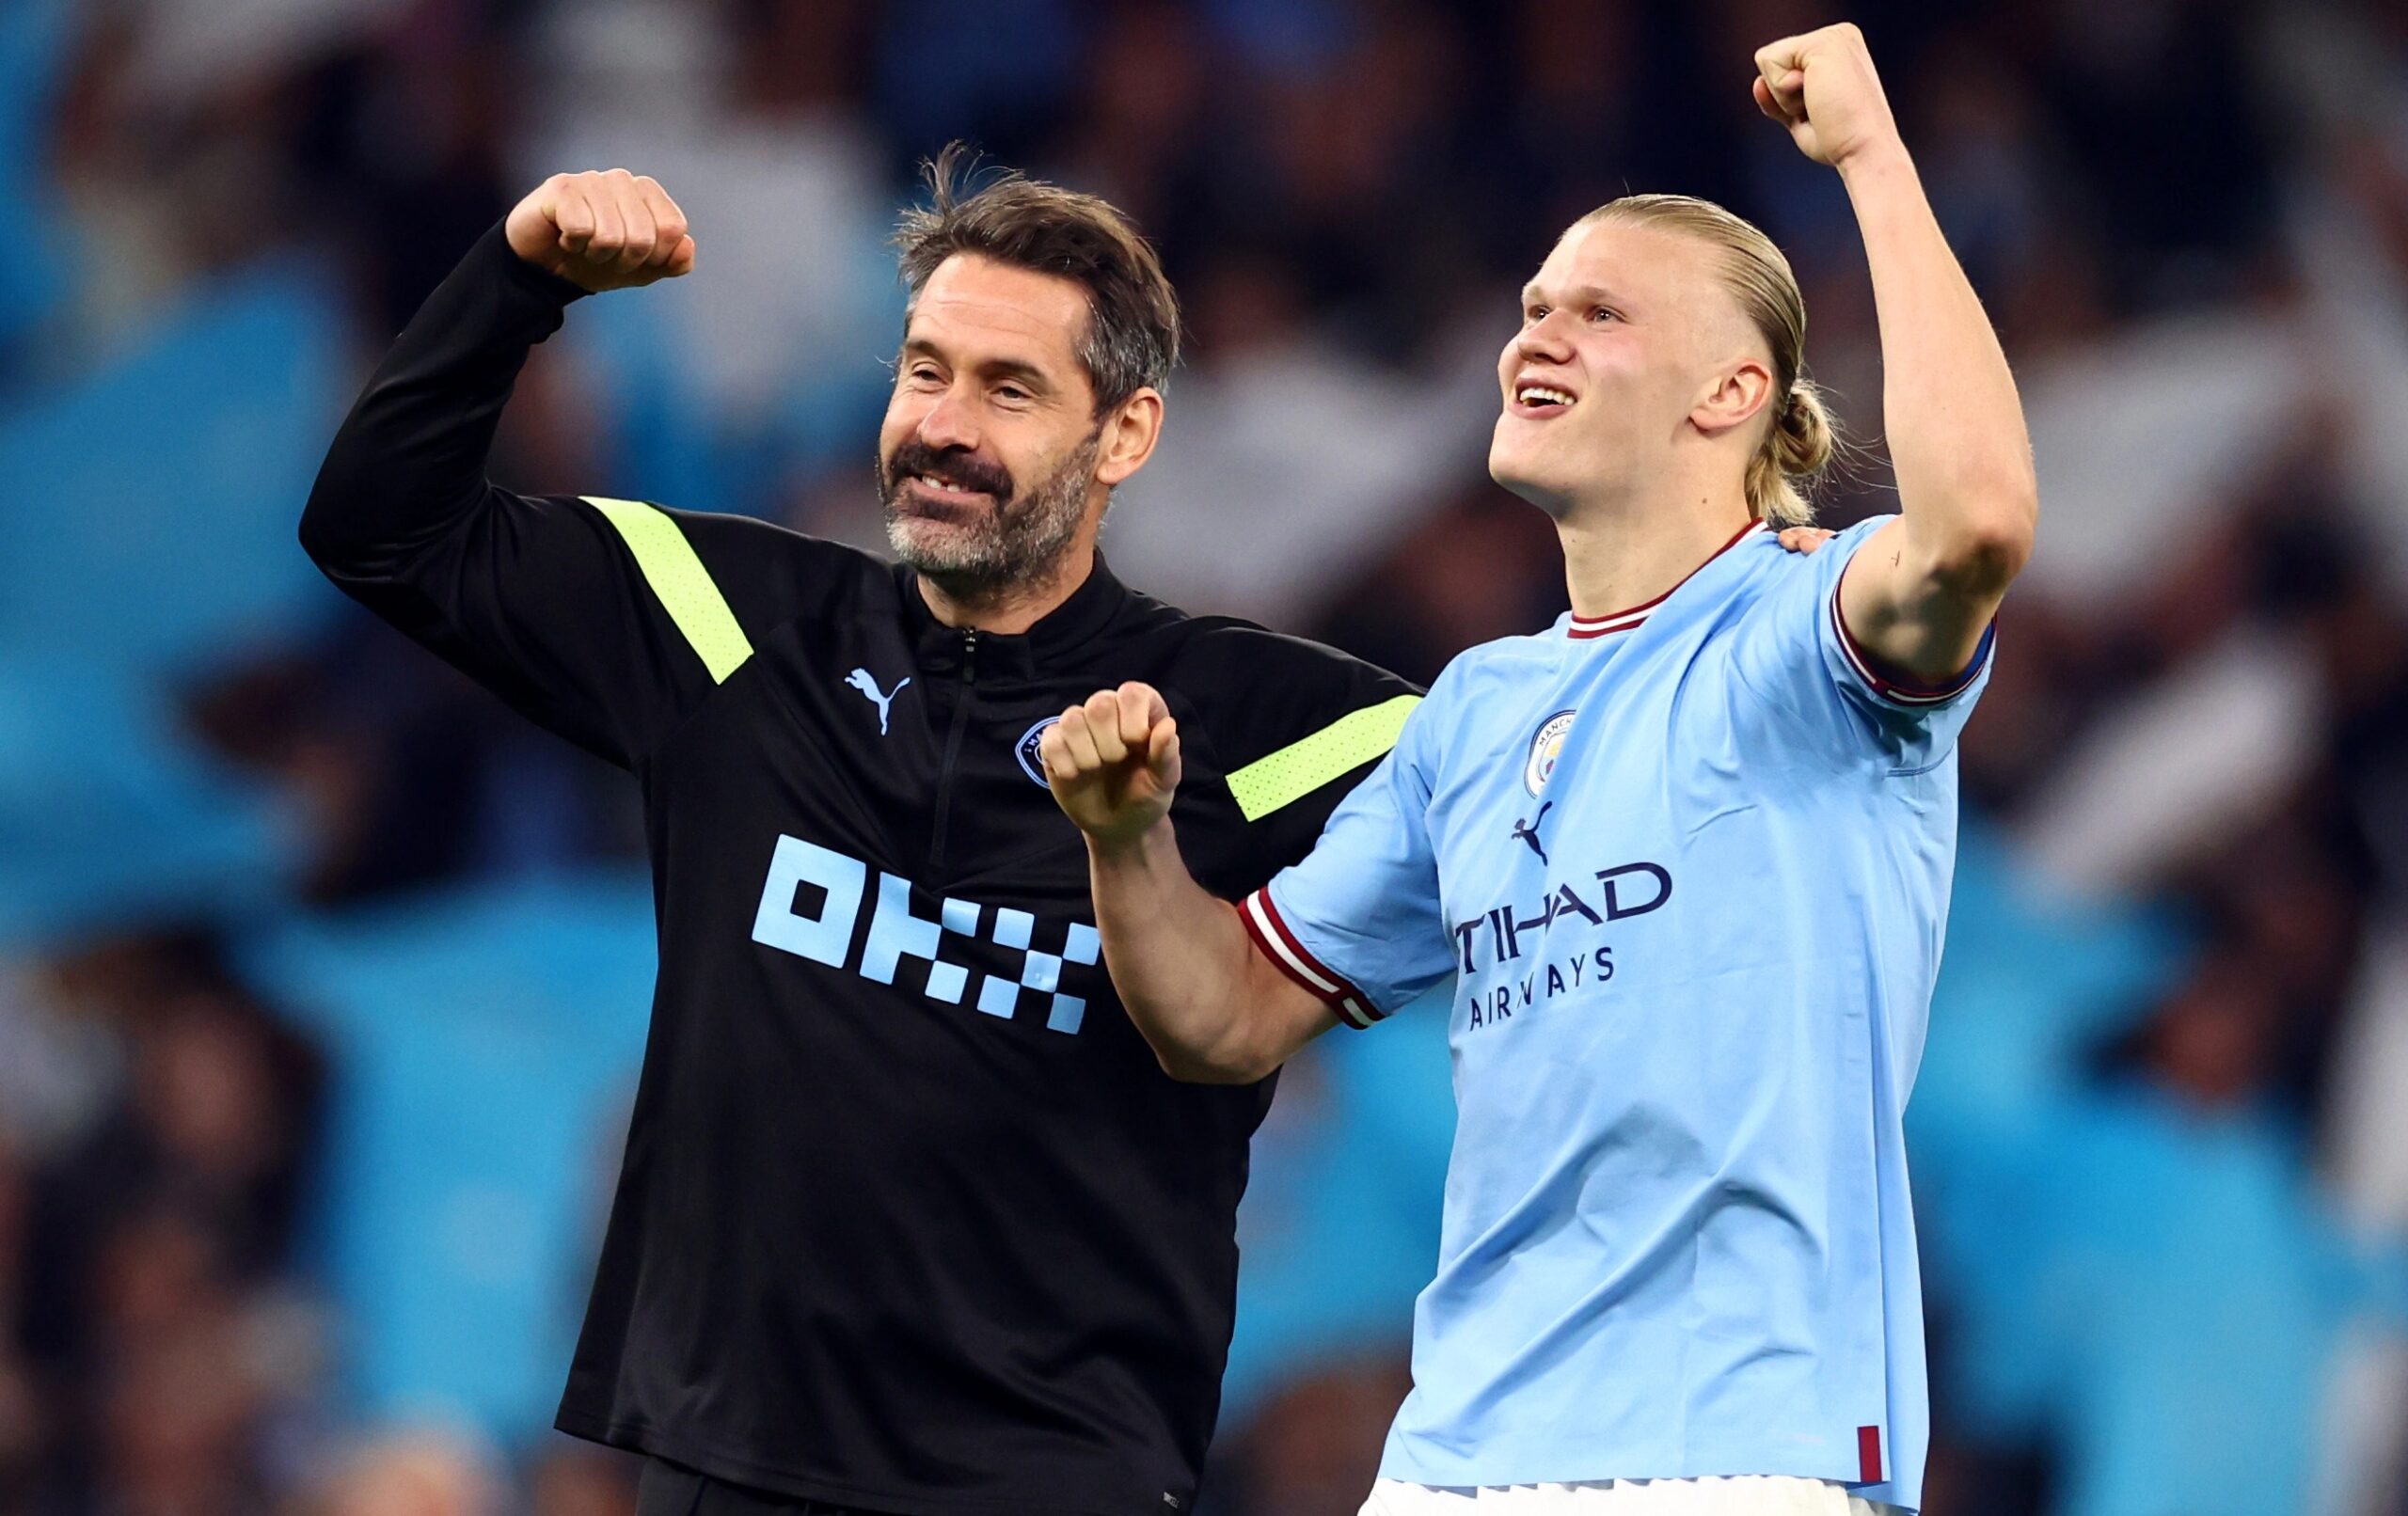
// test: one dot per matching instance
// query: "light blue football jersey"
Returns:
(1688, 866)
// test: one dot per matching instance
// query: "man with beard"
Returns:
(909, 1220)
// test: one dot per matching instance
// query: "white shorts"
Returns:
(1745, 1494)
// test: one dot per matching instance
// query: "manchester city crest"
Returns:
(1032, 762)
(1544, 745)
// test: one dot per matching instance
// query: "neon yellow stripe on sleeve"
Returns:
(683, 585)
(1301, 767)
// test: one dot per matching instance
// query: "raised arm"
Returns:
(1920, 593)
(601, 619)
(1213, 1009)
(409, 460)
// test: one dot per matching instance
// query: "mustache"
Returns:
(963, 470)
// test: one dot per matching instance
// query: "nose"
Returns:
(948, 423)
(1542, 341)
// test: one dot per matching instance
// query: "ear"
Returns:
(1737, 393)
(1129, 436)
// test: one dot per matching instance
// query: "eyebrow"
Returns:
(1532, 294)
(1021, 370)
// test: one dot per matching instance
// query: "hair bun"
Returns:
(1804, 432)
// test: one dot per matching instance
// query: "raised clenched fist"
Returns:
(1822, 86)
(1113, 763)
(607, 230)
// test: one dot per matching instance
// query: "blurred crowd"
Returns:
(2162, 1140)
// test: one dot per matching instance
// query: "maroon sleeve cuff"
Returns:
(1276, 941)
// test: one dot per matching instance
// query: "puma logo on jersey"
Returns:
(1529, 830)
(861, 680)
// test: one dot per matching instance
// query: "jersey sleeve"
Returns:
(597, 618)
(1311, 724)
(1357, 922)
(1796, 658)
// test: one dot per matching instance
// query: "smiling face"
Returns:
(989, 456)
(1631, 346)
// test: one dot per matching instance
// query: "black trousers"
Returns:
(669, 1489)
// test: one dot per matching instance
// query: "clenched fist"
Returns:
(612, 230)
(1821, 85)
(1114, 762)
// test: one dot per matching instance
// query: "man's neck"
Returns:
(1012, 608)
(1621, 556)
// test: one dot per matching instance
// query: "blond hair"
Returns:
(1802, 437)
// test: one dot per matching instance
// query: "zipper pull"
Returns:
(970, 654)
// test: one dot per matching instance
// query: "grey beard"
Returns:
(1017, 542)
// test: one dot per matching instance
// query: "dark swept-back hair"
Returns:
(1131, 340)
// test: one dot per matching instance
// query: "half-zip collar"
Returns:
(939, 649)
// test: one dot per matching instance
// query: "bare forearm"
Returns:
(1191, 979)
(1213, 1010)
(1952, 419)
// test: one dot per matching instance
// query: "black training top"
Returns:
(909, 1218)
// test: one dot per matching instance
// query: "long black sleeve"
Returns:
(409, 463)
(539, 598)
(1310, 729)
